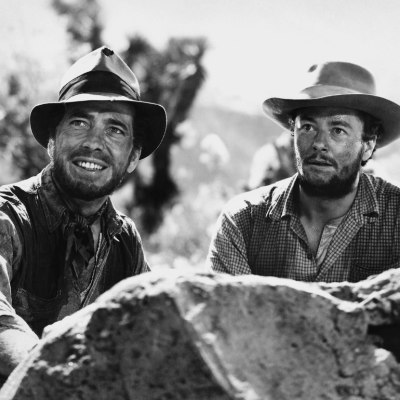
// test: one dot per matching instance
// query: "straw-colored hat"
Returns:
(339, 84)
(101, 76)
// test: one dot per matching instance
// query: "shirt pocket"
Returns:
(33, 308)
(360, 271)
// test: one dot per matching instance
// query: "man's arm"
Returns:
(16, 338)
(15, 344)
(228, 252)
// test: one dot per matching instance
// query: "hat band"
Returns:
(327, 90)
(97, 82)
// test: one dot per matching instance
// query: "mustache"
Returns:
(83, 152)
(320, 159)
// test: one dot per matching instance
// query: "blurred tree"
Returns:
(15, 134)
(84, 25)
(171, 77)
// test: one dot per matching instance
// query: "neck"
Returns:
(325, 209)
(82, 207)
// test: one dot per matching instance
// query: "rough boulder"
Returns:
(199, 336)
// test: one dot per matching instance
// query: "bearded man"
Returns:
(330, 222)
(62, 243)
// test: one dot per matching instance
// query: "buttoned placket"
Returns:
(307, 256)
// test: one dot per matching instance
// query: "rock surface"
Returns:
(199, 336)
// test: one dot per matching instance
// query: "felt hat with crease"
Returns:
(101, 76)
(339, 84)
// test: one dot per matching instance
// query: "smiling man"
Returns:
(62, 242)
(330, 221)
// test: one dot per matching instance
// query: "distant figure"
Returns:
(272, 162)
(62, 241)
(330, 222)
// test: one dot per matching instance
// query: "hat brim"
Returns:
(155, 114)
(388, 112)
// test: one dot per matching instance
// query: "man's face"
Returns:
(92, 150)
(329, 150)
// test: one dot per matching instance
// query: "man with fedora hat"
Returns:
(62, 243)
(330, 222)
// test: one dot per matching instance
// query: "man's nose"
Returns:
(94, 138)
(321, 140)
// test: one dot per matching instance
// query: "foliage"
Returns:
(184, 236)
(171, 77)
(16, 139)
(84, 25)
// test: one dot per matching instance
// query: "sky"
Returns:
(256, 48)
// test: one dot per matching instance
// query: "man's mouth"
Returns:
(89, 166)
(321, 163)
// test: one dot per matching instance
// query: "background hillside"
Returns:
(241, 134)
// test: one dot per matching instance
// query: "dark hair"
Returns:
(54, 119)
(372, 127)
(140, 126)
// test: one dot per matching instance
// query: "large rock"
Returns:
(200, 336)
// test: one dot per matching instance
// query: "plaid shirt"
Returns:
(260, 233)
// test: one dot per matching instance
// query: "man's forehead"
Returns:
(124, 108)
(332, 112)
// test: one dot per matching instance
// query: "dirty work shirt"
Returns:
(37, 288)
(260, 233)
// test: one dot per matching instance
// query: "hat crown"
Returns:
(101, 59)
(341, 74)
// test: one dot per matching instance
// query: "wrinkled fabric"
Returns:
(79, 238)
(37, 286)
(260, 233)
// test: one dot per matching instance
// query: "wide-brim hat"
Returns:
(339, 84)
(101, 76)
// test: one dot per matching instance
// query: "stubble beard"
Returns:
(336, 187)
(83, 190)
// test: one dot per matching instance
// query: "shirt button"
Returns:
(309, 256)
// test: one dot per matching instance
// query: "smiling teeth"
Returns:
(90, 166)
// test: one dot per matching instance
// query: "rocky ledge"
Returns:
(199, 336)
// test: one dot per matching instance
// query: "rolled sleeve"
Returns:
(10, 256)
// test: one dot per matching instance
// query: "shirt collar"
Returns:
(56, 210)
(365, 202)
(283, 202)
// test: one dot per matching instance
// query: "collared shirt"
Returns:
(260, 233)
(36, 287)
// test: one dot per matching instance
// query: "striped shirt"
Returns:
(260, 233)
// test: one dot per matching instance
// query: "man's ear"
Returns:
(50, 148)
(369, 147)
(134, 160)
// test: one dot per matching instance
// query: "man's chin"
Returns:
(87, 193)
(333, 188)
(83, 189)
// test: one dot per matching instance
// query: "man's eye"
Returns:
(78, 123)
(307, 128)
(116, 131)
(338, 131)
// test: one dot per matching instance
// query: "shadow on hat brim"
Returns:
(386, 111)
(155, 115)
